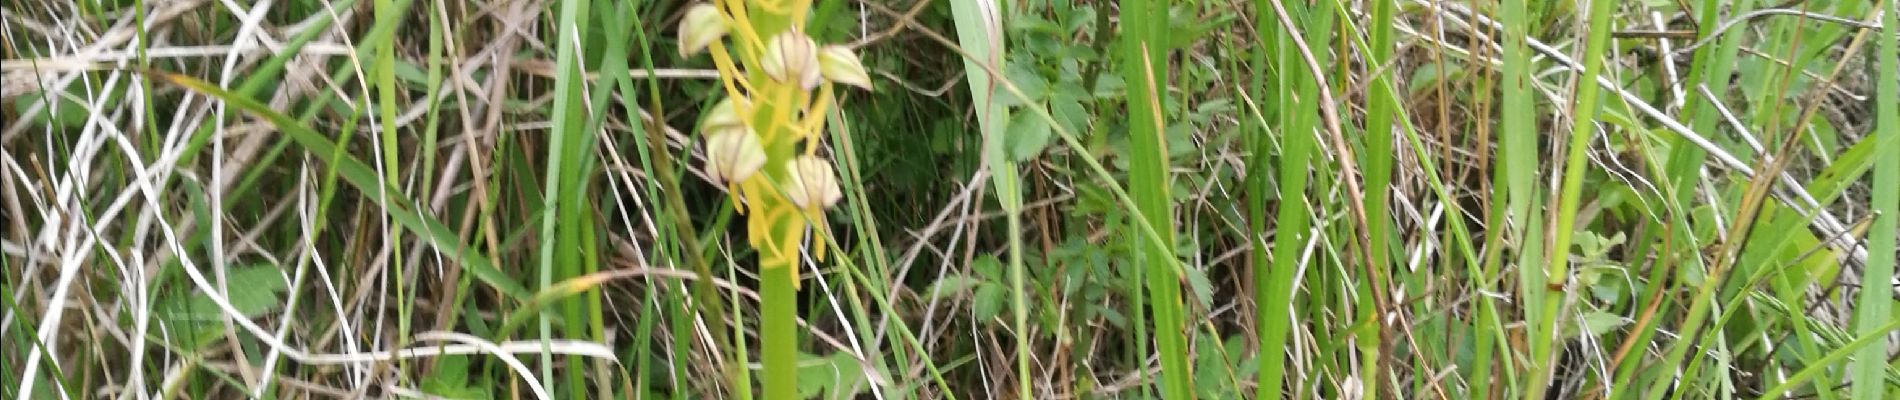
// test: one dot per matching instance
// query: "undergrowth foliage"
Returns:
(1050, 199)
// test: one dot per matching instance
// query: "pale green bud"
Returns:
(702, 26)
(733, 154)
(812, 183)
(721, 116)
(792, 57)
(841, 66)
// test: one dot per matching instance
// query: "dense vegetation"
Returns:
(1050, 199)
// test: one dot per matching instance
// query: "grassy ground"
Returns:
(1045, 199)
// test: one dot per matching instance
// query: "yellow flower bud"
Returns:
(733, 154)
(702, 26)
(792, 57)
(811, 183)
(841, 66)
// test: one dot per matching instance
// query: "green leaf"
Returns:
(838, 376)
(1847, 169)
(1597, 323)
(950, 286)
(1027, 79)
(990, 299)
(1203, 289)
(1211, 366)
(1113, 316)
(449, 380)
(1188, 31)
(194, 319)
(1423, 77)
(67, 114)
(1207, 111)
(1180, 139)
(987, 268)
(1033, 23)
(254, 291)
(1068, 110)
(1028, 135)
(1108, 86)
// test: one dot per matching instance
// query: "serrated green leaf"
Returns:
(254, 291)
(449, 380)
(838, 376)
(949, 286)
(1203, 289)
(1068, 110)
(1027, 136)
(1597, 323)
(987, 268)
(193, 320)
(1027, 79)
(990, 299)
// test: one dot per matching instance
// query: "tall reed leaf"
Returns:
(1557, 272)
(1144, 63)
(570, 152)
(1870, 365)
(1275, 284)
(1379, 161)
(980, 34)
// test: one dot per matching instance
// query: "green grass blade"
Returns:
(569, 155)
(1276, 285)
(979, 31)
(1557, 271)
(1144, 63)
(364, 178)
(1874, 335)
(684, 243)
(1300, 108)
(1519, 152)
(383, 69)
(1713, 65)
(1379, 161)
(1875, 296)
